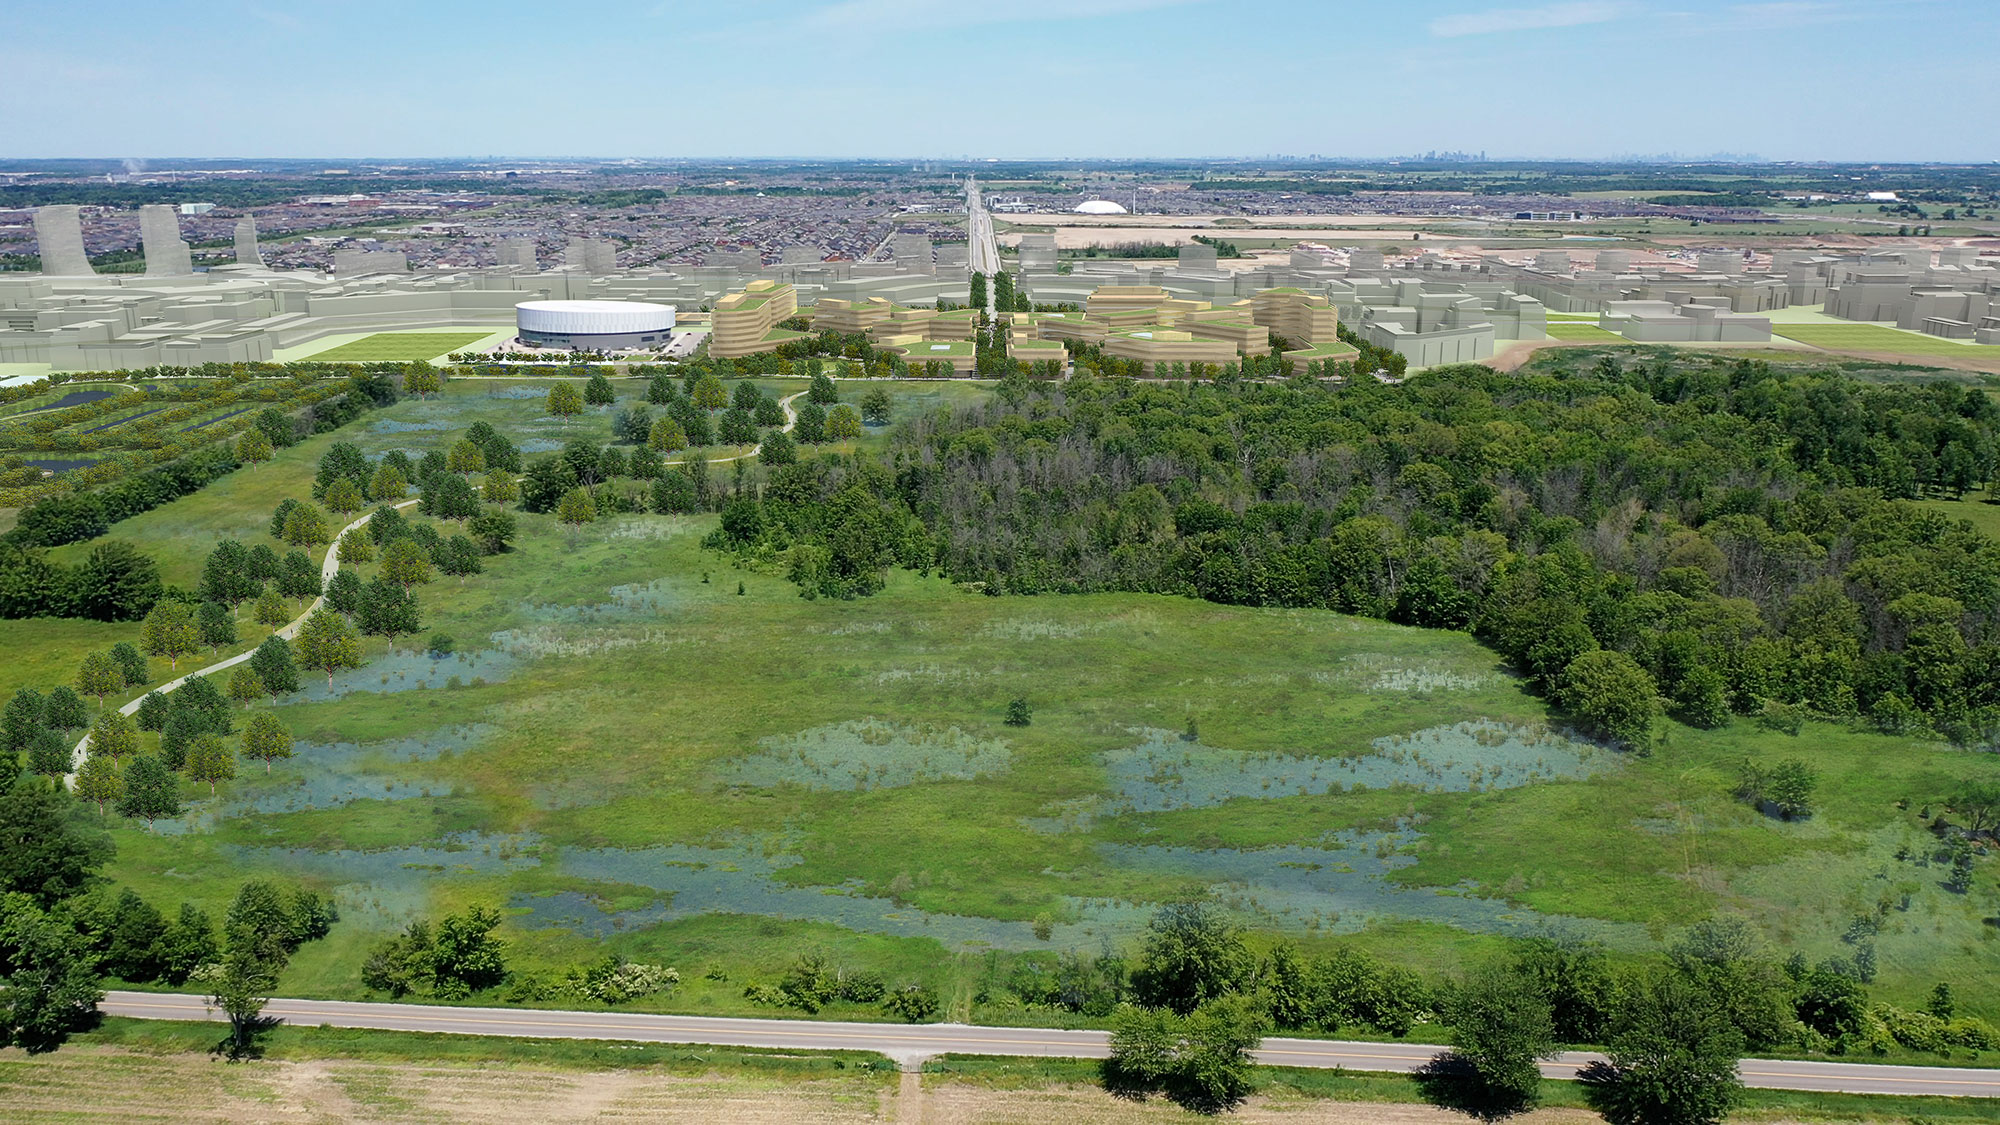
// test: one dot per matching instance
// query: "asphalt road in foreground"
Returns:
(908, 1043)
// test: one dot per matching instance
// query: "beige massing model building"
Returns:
(746, 322)
(1150, 325)
(921, 336)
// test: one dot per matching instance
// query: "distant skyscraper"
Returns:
(59, 236)
(247, 253)
(160, 231)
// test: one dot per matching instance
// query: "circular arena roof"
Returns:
(593, 318)
(1099, 207)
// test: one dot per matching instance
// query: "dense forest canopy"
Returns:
(1724, 536)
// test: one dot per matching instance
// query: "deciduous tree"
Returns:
(356, 548)
(305, 526)
(421, 379)
(274, 666)
(667, 436)
(1610, 693)
(565, 401)
(98, 781)
(225, 577)
(50, 984)
(405, 563)
(254, 447)
(709, 393)
(1673, 1059)
(1501, 1029)
(327, 643)
(99, 677)
(171, 631)
(465, 457)
(388, 483)
(875, 407)
(492, 530)
(217, 625)
(26, 713)
(344, 496)
(577, 508)
(245, 686)
(271, 608)
(265, 739)
(210, 760)
(152, 791)
(1191, 953)
(842, 424)
(500, 487)
(131, 664)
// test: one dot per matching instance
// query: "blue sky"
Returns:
(1890, 80)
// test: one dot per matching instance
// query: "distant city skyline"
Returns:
(1837, 80)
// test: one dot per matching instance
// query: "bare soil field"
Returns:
(81, 1084)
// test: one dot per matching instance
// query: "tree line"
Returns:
(1713, 538)
(63, 929)
(1194, 999)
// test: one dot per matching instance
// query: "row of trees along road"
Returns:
(1195, 1000)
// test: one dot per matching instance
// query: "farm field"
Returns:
(162, 1071)
(638, 745)
(400, 347)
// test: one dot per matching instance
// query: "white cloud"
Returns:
(1788, 13)
(909, 14)
(1576, 13)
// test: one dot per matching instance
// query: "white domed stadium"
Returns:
(1099, 207)
(594, 325)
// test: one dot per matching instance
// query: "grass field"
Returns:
(1876, 338)
(1981, 509)
(643, 748)
(402, 346)
(1591, 333)
(130, 1069)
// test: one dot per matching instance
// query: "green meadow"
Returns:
(638, 745)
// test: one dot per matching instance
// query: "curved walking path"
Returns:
(910, 1044)
(327, 570)
(290, 629)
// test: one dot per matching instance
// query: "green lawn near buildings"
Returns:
(1589, 333)
(401, 347)
(1877, 338)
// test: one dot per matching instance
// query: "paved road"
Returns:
(982, 250)
(909, 1044)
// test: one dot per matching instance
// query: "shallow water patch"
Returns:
(1341, 885)
(867, 754)
(1167, 772)
(407, 671)
(693, 881)
(391, 426)
(396, 882)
